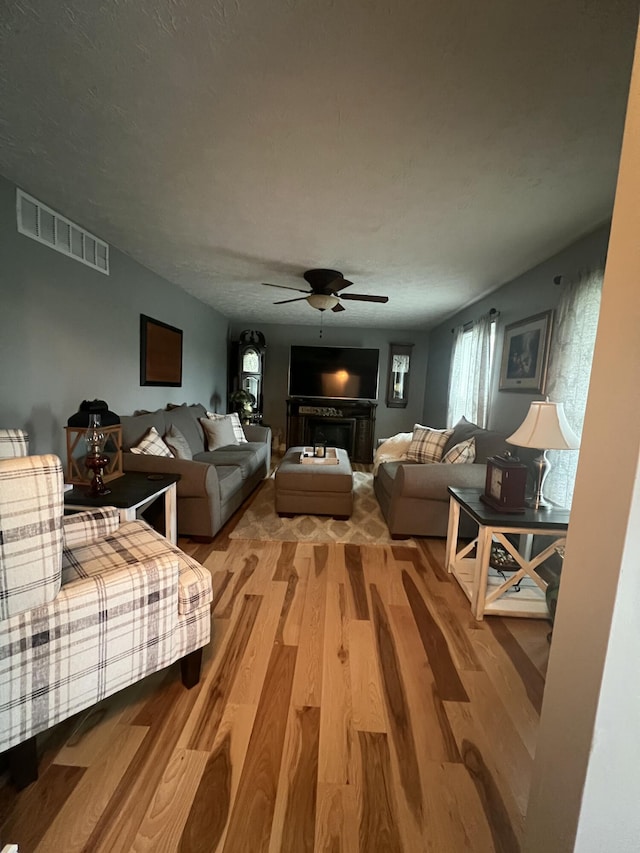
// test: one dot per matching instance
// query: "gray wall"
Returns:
(69, 333)
(280, 337)
(529, 294)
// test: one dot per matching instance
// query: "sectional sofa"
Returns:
(213, 483)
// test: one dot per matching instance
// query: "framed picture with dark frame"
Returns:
(525, 354)
(398, 375)
(160, 353)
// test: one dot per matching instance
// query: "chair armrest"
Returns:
(255, 432)
(83, 528)
(103, 631)
(431, 480)
(197, 479)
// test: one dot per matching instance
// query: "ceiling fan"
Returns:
(325, 293)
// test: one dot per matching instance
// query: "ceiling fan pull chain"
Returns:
(321, 316)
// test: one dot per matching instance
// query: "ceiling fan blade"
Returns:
(361, 297)
(285, 287)
(338, 307)
(339, 284)
(297, 299)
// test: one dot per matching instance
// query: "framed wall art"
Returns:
(525, 354)
(398, 375)
(160, 353)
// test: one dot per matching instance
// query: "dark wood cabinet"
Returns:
(349, 424)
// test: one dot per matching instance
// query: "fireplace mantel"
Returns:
(349, 424)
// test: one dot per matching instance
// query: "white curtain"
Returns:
(470, 374)
(571, 354)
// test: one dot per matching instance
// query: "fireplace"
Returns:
(333, 432)
(349, 424)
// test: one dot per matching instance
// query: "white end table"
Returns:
(487, 591)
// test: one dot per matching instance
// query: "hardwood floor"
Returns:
(349, 702)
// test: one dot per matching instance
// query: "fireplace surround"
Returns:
(349, 424)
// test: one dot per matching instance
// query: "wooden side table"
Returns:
(132, 493)
(488, 592)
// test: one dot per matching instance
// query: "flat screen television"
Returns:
(343, 373)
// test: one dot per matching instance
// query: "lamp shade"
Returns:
(322, 301)
(545, 428)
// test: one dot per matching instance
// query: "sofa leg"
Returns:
(399, 537)
(23, 763)
(190, 668)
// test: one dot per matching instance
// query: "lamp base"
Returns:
(542, 466)
(534, 503)
(96, 462)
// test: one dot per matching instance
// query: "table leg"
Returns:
(171, 514)
(526, 545)
(481, 574)
(128, 514)
(452, 534)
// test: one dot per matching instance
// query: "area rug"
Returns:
(366, 525)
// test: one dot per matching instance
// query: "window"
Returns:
(570, 360)
(470, 374)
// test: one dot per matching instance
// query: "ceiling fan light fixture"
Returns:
(322, 301)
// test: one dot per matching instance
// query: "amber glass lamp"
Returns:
(96, 459)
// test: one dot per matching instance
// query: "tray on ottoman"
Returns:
(307, 457)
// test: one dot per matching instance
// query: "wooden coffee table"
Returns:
(132, 493)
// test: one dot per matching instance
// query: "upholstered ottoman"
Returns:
(314, 488)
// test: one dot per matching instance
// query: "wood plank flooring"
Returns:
(348, 702)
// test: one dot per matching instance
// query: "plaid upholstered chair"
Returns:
(13, 442)
(88, 606)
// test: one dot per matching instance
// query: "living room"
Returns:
(69, 333)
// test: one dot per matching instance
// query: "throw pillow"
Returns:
(218, 432)
(241, 438)
(177, 443)
(488, 442)
(460, 453)
(427, 444)
(151, 444)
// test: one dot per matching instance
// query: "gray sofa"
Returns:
(413, 496)
(214, 483)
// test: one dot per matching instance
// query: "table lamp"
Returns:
(544, 428)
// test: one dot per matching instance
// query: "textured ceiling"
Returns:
(430, 150)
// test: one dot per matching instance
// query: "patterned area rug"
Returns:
(366, 525)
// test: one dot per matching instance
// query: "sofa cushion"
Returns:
(427, 444)
(229, 481)
(488, 442)
(152, 444)
(135, 427)
(247, 457)
(462, 453)
(218, 433)
(234, 417)
(177, 443)
(186, 419)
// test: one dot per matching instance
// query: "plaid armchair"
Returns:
(13, 442)
(88, 606)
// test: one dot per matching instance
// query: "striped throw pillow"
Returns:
(465, 451)
(151, 444)
(427, 444)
